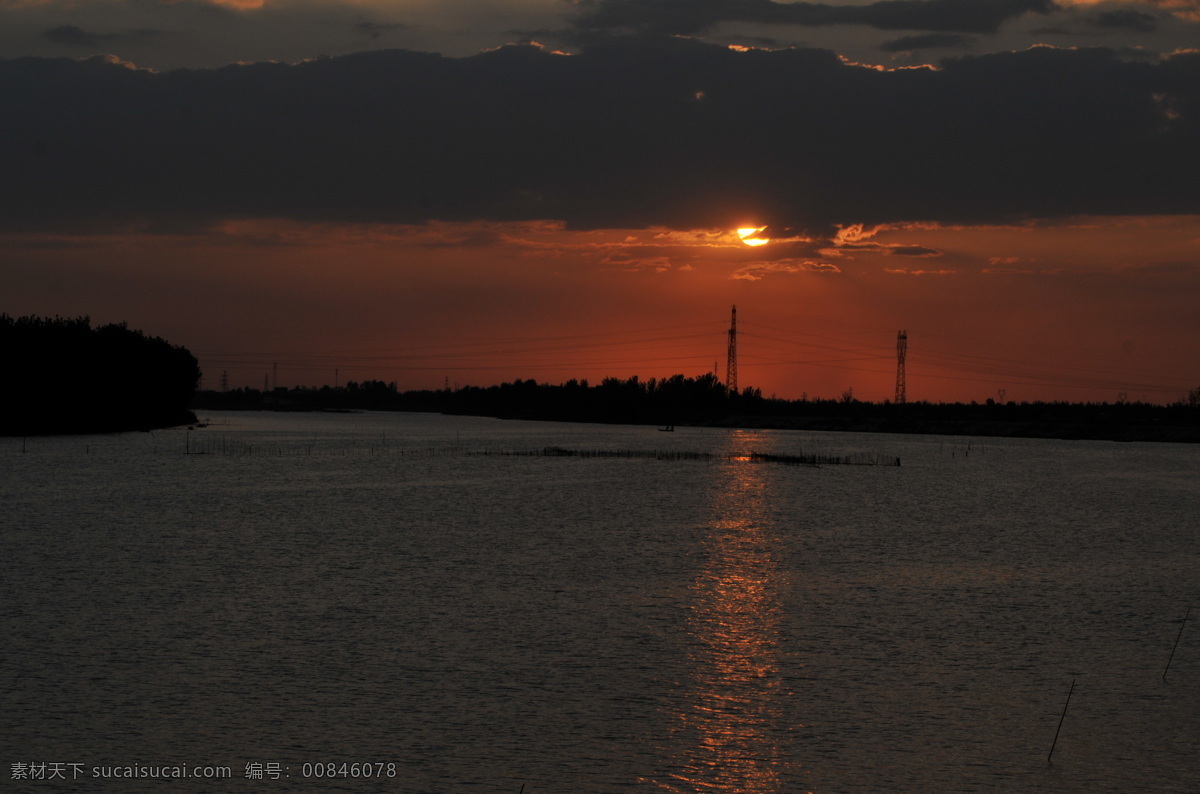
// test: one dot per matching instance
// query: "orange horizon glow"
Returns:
(1081, 310)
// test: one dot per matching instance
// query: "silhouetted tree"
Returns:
(62, 376)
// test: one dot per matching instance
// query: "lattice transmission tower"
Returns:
(731, 363)
(901, 350)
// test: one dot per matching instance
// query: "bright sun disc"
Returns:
(749, 239)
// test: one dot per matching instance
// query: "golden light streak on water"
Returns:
(734, 715)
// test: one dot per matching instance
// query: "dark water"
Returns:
(358, 589)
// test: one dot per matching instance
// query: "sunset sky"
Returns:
(469, 192)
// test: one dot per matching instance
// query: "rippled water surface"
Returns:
(363, 588)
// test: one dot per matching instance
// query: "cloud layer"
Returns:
(632, 134)
(667, 17)
(169, 34)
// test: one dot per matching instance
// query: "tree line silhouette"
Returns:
(680, 400)
(61, 375)
(677, 399)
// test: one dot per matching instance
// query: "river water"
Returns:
(275, 593)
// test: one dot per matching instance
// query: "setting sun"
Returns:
(749, 238)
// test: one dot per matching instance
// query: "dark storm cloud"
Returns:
(666, 17)
(1127, 19)
(74, 36)
(916, 251)
(376, 29)
(926, 41)
(629, 134)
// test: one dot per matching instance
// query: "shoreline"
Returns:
(1066, 431)
(1079, 430)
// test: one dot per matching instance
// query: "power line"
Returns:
(687, 345)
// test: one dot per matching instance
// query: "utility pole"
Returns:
(901, 350)
(731, 383)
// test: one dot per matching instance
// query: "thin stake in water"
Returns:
(1060, 721)
(1177, 636)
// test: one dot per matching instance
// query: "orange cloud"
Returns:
(854, 233)
(240, 5)
(759, 270)
(904, 271)
(1184, 9)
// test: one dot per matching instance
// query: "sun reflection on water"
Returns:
(733, 717)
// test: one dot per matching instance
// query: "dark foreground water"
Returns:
(360, 591)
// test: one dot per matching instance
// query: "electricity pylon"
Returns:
(731, 364)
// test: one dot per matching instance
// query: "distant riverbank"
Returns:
(1095, 431)
(704, 402)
